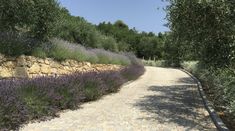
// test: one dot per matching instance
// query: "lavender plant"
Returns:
(22, 100)
(62, 50)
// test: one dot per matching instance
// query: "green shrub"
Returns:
(36, 103)
(191, 66)
(109, 43)
(62, 50)
(219, 85)
(39, 52)
(15, 44)
(157, 63)
(35, 17)
(90, 90)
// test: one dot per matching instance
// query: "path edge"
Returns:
(215, 118)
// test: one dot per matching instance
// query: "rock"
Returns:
(54, 64)
(65, 63)
(72, 63)
(62, 72)
(88, 64)
(29, 66)
(40, 60)
(31, 59)
(34, 69)
(21, 61)
(9, 64)
(47, 61)
(54, 71)
(21, 72)
(2, 58)
(45, 69)
(5, 72)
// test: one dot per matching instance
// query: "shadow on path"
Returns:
(179, 104)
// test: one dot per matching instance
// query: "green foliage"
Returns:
(205, 28)
(15, 44)
(91, 92)
(150, 47)
(36, 103)
(25, 24)
(62, 50)
(34, 17)
(191, 66)
(143, 44)
(108, 43)
(121, 25)
(39, 52)
(40, 20)
(156, 63)
(219, 85)
(78, 30)
(22, 100)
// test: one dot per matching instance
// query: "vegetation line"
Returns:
(215, 118)
(42, 98)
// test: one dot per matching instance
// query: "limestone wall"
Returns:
(29, 66)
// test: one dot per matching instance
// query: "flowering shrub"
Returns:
(29, 99)
(61, 50)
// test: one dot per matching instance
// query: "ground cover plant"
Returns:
(25, 100)
(61, 50)
(219, 86)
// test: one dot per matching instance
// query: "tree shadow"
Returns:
(186, 80)
(179, 104)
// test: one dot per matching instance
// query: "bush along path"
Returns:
(162, 99)
(41, 98)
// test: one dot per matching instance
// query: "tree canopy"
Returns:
(204, 27)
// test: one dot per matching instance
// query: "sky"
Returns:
(144, 15)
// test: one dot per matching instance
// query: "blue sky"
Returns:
(144, 15)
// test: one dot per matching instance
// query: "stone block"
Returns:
(45, 69)
(34, 69)
(5, 72)
(40, 61)
(21, 72)
(9, 64)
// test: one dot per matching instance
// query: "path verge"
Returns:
(215, 118)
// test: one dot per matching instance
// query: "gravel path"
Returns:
(162, 99)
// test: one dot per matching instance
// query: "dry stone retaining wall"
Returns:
(29, 66)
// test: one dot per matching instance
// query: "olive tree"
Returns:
(206, 26)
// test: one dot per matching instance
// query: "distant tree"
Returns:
(143, 44)
(121, 24)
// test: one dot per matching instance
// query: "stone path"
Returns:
(161, 100)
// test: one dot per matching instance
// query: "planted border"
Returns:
(26, 100)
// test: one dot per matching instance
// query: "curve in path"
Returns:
(162, 99)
